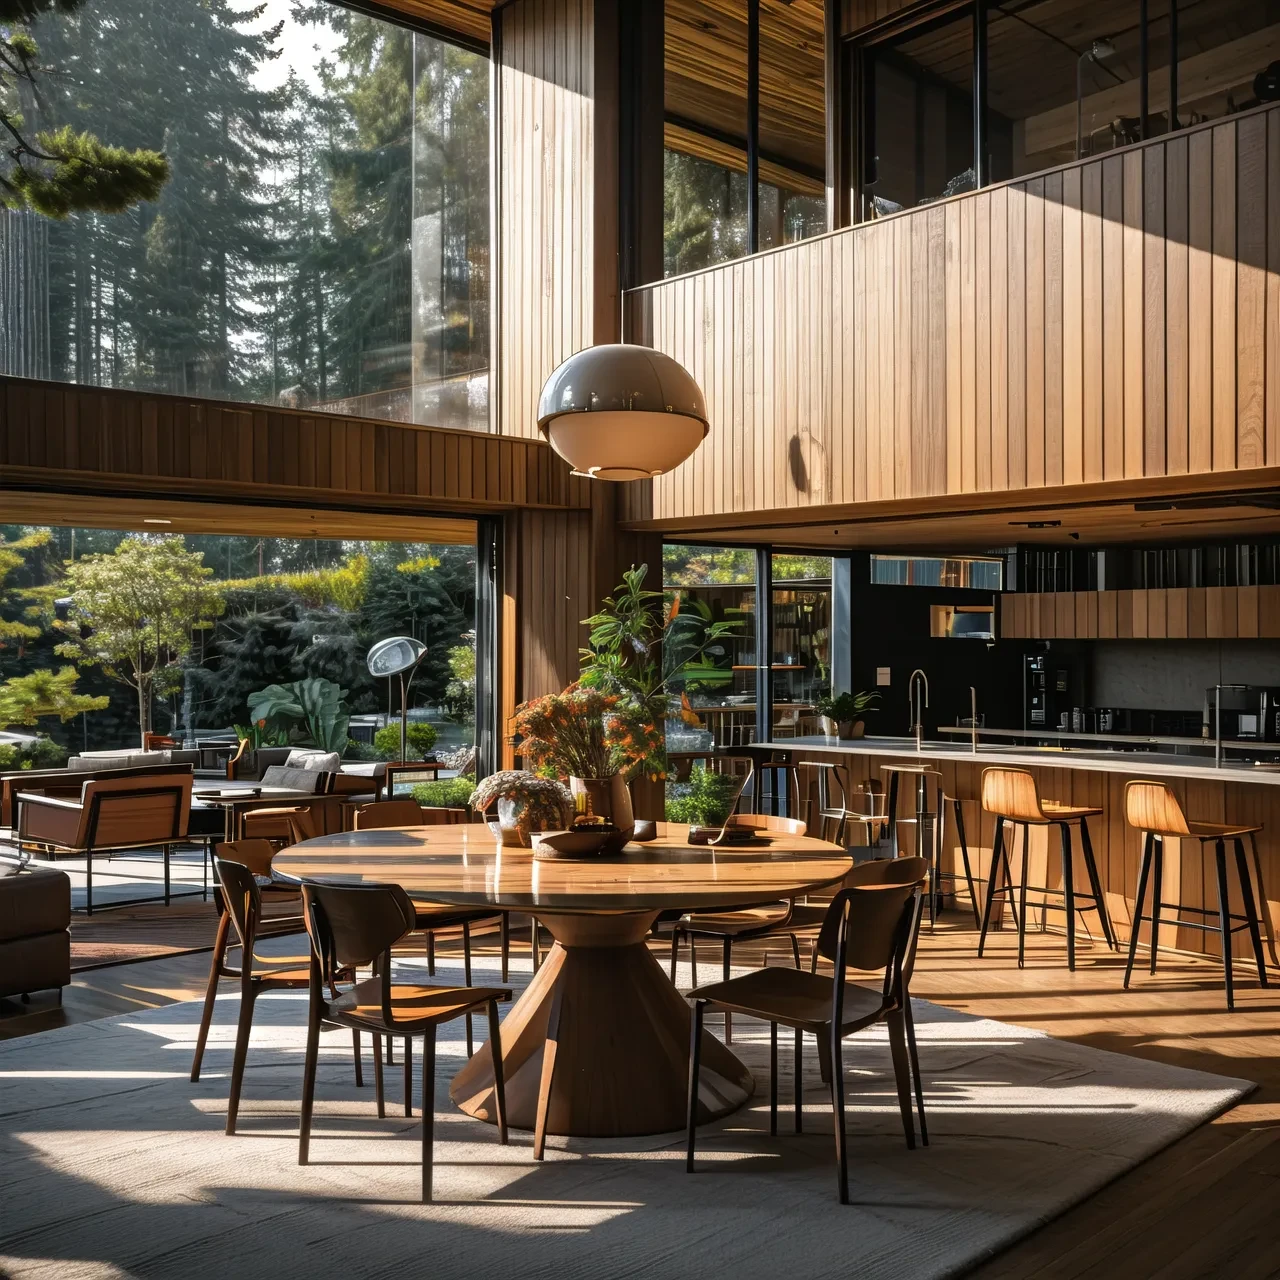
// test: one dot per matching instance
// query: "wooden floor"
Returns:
(1207, 1207)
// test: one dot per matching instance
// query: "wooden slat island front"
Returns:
(1234, 792)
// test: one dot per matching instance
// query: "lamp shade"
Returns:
(622, 412)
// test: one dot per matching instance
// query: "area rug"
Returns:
(113, 1164)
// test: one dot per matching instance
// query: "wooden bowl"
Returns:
(583, 843)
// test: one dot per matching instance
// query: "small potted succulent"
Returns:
(843, 712)
(525, 803)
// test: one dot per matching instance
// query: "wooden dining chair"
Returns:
(241, 895)
(870, 927)
(354, 926)
(739, 924)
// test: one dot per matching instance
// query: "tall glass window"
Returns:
(802, 636)
(323, 241)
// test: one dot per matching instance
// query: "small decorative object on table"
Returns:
(842, 713)
(525, 803)
(595, 740)
(582, 841)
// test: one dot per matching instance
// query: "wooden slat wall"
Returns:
(1174, 613)
(556, 273)
(64, 437)
(1116, 845)
(1109, 321)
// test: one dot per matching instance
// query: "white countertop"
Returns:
(1149, 739)
(1148, 763)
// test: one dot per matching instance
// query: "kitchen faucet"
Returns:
(916, 705)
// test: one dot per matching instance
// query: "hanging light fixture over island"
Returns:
(622, 412)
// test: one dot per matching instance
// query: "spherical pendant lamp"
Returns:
(622, 412)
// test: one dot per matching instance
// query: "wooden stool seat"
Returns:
(1013, 797)
(1152, 809)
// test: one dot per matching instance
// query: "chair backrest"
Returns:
(766, 822)
(151, 809)
(1012, 793)
(254, 854)
(353, 925)
(1152, 806)
(242, 899)
(67, 783)
(388, 813)
(864, 927)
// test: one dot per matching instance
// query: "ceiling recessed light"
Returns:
(155, 520)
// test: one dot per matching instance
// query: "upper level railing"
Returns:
(1109, 320)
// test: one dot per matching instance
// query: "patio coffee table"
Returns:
(600, 1028)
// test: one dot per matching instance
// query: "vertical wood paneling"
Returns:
(1108, 321)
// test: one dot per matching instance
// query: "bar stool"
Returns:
(1012, 796)
(1152, 809)
(928, 844)
(826, 775)
(957, 811)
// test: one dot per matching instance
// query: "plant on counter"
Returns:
(445, 793)
(844, 708)
(585, 733)
(704, 801)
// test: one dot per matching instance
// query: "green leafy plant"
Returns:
(24, 699)
(445, 793)
(43, 753)
(584, 733)
(357, 750)
(311, 712)
(846, 706)
(706, 800)
(421, 738)
(259, 734)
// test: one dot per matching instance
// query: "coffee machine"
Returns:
(1247, 713)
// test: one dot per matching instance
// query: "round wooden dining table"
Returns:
(601, 1035)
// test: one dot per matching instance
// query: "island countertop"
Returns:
(1155, 764)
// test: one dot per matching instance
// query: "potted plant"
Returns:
(595, 740)
(446, 793)
(843, 712)
(525, 803)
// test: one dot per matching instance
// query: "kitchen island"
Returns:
(1235, 791)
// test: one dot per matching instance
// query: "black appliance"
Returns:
(1046, 693)
(1248, 713)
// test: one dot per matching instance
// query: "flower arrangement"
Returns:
(525, 803)
(585, 733)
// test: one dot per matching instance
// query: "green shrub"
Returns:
(44, 753)
(357, 750)
(445, 793)
(8, 755)
(704, 801)
(421, 736)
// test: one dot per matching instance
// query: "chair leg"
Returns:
(548, 1073)
(1095, 886)
(1250, 911)
(909, 1020)
(728, 1017)
(1144, 870)
(795, 951)
(466, 977)
(379, 1096)
(993, 879)
(1022, 896)
(813, 956)
(166, 852)
(773, 1079)
(408, 1075)
(244, 1025)
(896, 1025)
(506, 946)
(309, 1080)
(1157, 896)
(88, 882)
(799, 1081)
(211, 993)
(693, 957)
(355, 1044)
(675, 953)
(837, 1115)
(431, 954)
(958, 809)
(1224, 921)
(499, 1080)
(1069, 891)
(428, 1111)
(535, 945)
(695, 1062)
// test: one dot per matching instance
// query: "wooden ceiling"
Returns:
(706, 72)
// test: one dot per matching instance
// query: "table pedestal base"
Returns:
(603, 1021)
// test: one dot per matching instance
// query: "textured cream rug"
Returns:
(113, 1164)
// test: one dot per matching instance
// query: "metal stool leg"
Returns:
(1069, 890)
(1144, 871)
(1157, 900)
(1095, 885)
(1022, 895)
(1224, 921)
(1250, 911)
(958, 810)
(997, 854)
